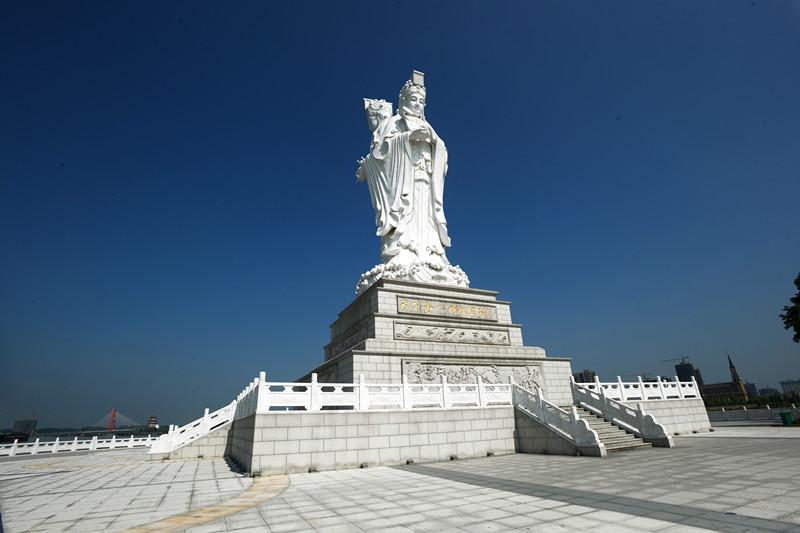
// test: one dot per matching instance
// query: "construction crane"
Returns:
(683, 359)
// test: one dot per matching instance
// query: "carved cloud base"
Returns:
(423, 272)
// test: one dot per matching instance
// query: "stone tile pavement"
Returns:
(742, 477)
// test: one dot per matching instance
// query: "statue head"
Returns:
(377, 111)
(412, 96)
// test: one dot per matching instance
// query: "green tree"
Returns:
(791, 316)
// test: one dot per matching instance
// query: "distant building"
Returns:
(587, 376)
(718, 391)
(153, 422)
(750, 389)
(767, 391)
(790, 386)
(686, 371)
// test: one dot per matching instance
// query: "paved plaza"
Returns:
(741, 477)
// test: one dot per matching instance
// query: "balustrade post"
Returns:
(35, 447)
(313, 398)
(74, 444)
(573, 418)
(113, 442)
(206, 423)
(746, 412)
(661, 388)
(481, 392)
(680, 388)
(93, 444)
(642, 392)
(13, 451)
(130, 442)
(769, 413)
(795, 414)
(597, 383)
(55, 445)
(254, 396)
(363, 398)
(621, 389)
(405, 394)
(640, 416)
(606, 407)
(445, 393)
(262, 401)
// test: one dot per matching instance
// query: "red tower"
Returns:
(112, 422)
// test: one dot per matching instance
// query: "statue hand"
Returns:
(360, 174)
(421, 134)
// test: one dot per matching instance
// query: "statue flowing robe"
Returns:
(406, 180)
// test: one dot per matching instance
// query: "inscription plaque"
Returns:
(448, 309)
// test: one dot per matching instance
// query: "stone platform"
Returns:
(424, 331)
(741, 477)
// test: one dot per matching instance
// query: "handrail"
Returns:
(262, 396)
(645, 390)
(566, 424)
(636, 421)
(73, 445)
(181, 436)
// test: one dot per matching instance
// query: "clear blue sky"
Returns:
(179, 210)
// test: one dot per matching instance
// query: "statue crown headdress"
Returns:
(416, 83)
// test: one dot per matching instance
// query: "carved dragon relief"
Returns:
(527, 377)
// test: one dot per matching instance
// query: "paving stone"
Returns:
(643, 491)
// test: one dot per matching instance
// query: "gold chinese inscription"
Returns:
(449, 309)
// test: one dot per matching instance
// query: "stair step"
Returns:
(615, 439)
(629, 447)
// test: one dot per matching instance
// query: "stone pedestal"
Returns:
(425, 331)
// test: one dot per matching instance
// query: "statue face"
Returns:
(374, 120)
(415, 104)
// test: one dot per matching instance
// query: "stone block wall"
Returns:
(215, 444)
(558, 387)
(677, 416)
(290, 442)
(532, 437)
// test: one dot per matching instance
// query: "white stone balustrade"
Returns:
(180, 436)
(645, 390)
(636, 421)
(567, 424)
(767, 413)
(74, 445)
(262, 396)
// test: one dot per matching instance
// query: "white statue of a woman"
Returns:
(405, 171)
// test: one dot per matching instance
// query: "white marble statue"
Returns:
(405, 171)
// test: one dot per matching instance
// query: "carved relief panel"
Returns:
(528, 377)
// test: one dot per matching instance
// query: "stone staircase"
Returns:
(613, 438)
